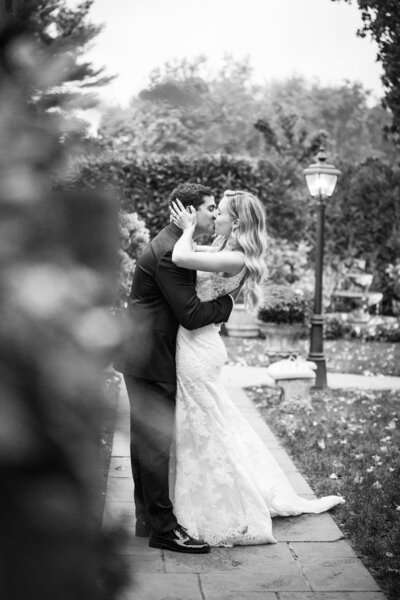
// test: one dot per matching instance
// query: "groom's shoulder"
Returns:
(163, 242)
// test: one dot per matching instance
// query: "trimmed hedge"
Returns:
(144, 186)
(361, 219)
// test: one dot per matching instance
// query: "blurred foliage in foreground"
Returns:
(58, 256)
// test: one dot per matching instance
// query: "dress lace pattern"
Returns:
(224, 483)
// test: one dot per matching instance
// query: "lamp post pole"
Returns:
(321, 180)
(316, 354)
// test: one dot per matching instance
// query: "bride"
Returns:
(224, 483)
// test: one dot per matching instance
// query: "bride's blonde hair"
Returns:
(250, 237)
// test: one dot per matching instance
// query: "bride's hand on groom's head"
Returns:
(182, 217)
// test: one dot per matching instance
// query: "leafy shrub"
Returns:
(376, 329)
(288, 262)
(333, 327)
(284, 304)
(134, 237)
(393, 273)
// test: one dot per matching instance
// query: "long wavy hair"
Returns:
(250, 237)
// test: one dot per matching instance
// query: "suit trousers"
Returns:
(152, 405)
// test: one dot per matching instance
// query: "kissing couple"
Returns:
(202, 476)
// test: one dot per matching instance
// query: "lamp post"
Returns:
(321, 181)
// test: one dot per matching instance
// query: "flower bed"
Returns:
(377, 328)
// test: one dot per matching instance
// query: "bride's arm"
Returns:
(218, 244)
(201, 248)
(183, 256)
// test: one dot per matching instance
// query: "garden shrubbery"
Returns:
(134, 237)
(144, 186)
(376, 329)
(361, 218)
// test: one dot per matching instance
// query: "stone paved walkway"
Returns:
(311, 561)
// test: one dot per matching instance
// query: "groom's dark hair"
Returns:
(190, 194)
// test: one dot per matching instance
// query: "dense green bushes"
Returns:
(362, 218)
(144, 186)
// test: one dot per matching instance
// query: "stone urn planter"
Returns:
(281, 339)
(281, 319)
(241, 323)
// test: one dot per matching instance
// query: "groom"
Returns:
(163, 296)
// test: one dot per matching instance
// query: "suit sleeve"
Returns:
(178, 289)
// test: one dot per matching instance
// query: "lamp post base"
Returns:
(320, 376)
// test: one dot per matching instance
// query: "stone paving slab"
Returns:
(114, 510)
(215, 585)
(261, 559)
(121, 441)
(306, 528)
(242, 596)
(331, 596)
(169, 586)
(120, 466)
(307, 551)
(348, 574)
(119, 489)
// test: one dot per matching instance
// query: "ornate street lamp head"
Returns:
(321, 177)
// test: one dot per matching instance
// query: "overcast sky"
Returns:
(313, 38)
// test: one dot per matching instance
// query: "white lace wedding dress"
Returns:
(224, 483)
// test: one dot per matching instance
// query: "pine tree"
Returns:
(381, 21)
(66, 32)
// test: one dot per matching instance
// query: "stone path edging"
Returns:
(237, 376)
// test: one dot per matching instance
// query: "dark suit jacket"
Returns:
(163, 296)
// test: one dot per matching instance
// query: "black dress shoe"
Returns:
(178, 540)
(142, 529)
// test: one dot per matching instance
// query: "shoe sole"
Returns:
(163, 545)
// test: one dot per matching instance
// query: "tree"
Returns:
(187, 109)
(355, 129)
(381, 21)
(65, 33)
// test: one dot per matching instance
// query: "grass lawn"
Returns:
(350, 445)
(342, 356)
